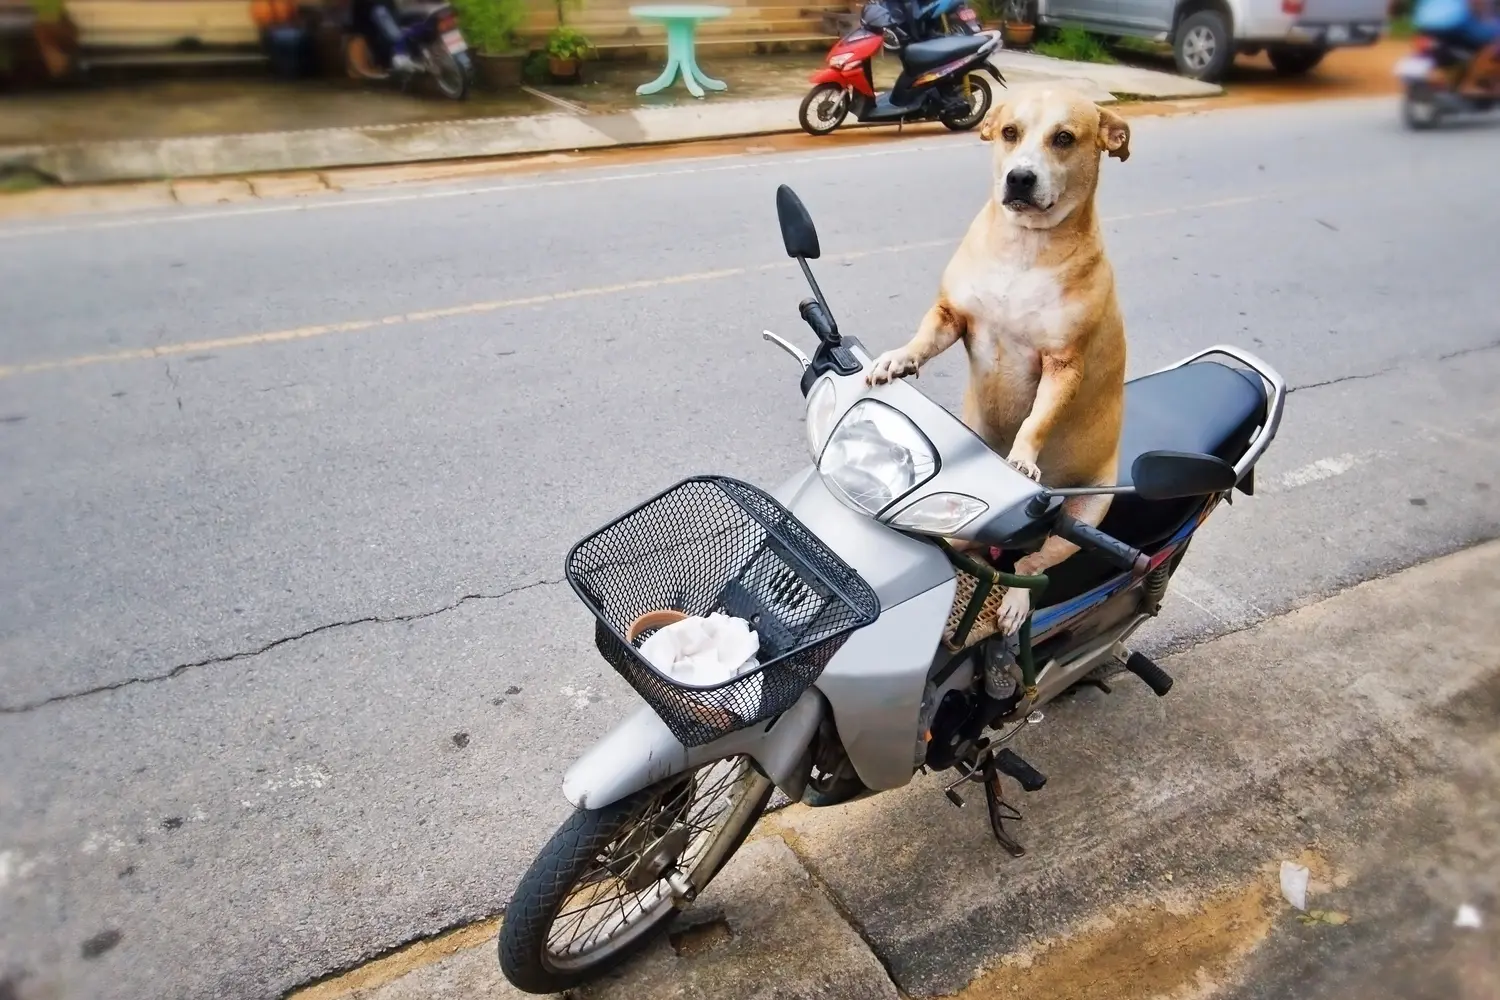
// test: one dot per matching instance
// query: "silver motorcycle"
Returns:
(879, 655)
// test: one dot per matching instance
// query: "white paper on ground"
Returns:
(704, 651)
(1468, 916)
(1294, 884)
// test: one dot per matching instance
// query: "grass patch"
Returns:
(1401, 27)
(19, 180)
(1075, 45)
(1142, 46)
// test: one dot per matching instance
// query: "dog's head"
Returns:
(1047, 151)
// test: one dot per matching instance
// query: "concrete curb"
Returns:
(317, 149)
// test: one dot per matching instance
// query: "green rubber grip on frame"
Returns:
(989, 577)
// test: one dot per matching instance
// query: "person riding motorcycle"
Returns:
(376, 21)
(1471, 24)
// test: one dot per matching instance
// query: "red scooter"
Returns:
(938, 80)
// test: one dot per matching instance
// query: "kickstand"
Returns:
(1000, 811)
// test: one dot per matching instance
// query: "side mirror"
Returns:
(1171, 475)
(798, 234)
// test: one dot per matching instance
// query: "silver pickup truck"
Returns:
(1205, 35)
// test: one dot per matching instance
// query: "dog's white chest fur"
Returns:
(1014, 310)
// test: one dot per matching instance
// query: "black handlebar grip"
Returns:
(1086, 536)
(817, 317)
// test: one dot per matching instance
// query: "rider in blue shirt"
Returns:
(1470, 23)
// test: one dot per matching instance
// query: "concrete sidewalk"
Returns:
(1359, 736)
(178, 156)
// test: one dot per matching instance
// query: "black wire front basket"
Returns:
(713, 544)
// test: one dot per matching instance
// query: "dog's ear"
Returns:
(1114, 135)
(991, 123)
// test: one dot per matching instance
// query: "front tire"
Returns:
(1295, 60)
(602, 865)
(981, 98)
(823, 109)
(1420, 108)
(1203, 46)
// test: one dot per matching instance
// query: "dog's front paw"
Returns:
(891, 365)
(1013, 610)
(1025, 467)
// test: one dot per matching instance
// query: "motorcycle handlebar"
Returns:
(817, 317)
(1086, 536)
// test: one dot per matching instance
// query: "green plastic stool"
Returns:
(682, 24)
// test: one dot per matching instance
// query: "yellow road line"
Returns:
(496, 305)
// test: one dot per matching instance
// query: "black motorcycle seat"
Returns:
(1207, 408)
(921, 56)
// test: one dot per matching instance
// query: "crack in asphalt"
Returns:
(1464, 352)
(246, 654)
(1360, 376)
(1392, 369)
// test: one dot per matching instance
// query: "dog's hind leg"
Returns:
(1017, 603)
(940, 330)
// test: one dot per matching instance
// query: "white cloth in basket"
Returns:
(704, 651)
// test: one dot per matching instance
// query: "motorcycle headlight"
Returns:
(820, 412)
(876, 455)
(940, 514)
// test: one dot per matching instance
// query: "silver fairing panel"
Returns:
(874, 682)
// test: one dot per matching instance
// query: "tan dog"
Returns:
(1033, 298)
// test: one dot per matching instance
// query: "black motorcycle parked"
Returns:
(431, 34)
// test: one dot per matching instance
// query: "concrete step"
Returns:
(133, 58)
(162, 23)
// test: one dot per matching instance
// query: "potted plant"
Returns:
(490, 27)
(567, 48)
(1017, 27)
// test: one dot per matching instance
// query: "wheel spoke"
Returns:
(602, 907)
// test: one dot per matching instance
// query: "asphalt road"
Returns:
(287, 676)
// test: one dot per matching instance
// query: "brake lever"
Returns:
(789, 347)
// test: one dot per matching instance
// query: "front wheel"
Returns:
(452, 72)
(611, 878)
(823, 109)
(980, 98)
(1420, 108)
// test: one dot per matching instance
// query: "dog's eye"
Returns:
(1009, 133)
(1062, 140)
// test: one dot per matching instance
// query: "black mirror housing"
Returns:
(798, 234)
(1172, 475)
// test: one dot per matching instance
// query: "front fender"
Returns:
(641, 751)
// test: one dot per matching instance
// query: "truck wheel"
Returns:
(1203, 46)
(1296, 60)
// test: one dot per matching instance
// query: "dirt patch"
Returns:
(398, 963)
(698, 939)
(1162, 949)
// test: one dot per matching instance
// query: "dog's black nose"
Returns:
(1020, 181)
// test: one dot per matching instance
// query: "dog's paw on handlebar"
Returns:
(891, 365)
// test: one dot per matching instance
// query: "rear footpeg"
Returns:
(1157, 679)
(1010, 764)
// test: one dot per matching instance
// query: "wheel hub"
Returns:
(1198, 47)
(659, 858)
